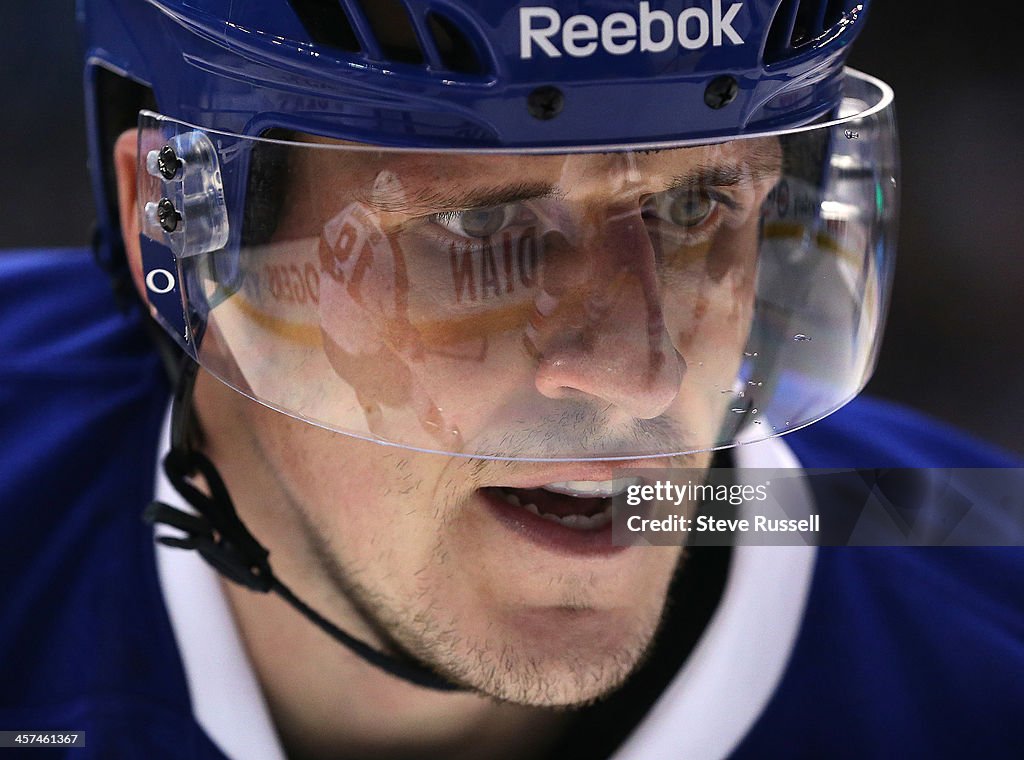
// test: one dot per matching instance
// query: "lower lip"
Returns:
(550, 535)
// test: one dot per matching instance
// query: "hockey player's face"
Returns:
(531, 307)
(595, 283)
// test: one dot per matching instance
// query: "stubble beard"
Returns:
(504, 669)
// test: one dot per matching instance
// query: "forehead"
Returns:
(331, 162)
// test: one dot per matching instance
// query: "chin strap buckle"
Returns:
(216, 532)
(230, 549)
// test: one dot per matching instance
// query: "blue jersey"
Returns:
(900, 652)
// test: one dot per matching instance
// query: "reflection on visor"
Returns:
(556, 306)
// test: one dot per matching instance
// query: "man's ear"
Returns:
(126, 167)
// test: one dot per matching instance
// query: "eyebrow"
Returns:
(757, 165)
(459, 199)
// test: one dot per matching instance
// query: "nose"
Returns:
(598, 330)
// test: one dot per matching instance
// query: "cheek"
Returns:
(712, 308)
(362, 499)
(710, 324)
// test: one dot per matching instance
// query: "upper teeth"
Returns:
(592, 488)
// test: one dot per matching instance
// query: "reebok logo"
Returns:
(652, 31)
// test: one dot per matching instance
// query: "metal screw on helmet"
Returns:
(168, 162)
(167, 215)
(721, 91)
(545, 102)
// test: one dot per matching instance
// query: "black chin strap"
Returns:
(224, 542)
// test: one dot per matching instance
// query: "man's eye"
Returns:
(476, 222)
(687, 208)
(690, 209)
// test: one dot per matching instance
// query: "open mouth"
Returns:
(568, 515)
(576, 504)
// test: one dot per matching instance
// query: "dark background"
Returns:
(954, 346)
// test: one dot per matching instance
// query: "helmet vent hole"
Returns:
(834, 11)
(801, 25)
(327, 24)
(393, 29)
(807, 24)
(395, 32)
(453, 47)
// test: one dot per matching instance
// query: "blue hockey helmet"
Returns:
(437, 73)
(517, 230)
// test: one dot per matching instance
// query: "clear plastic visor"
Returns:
(541, 306)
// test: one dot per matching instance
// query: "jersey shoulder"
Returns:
(58, 314)
(87, 642)
(931, 632)
(869, 432)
